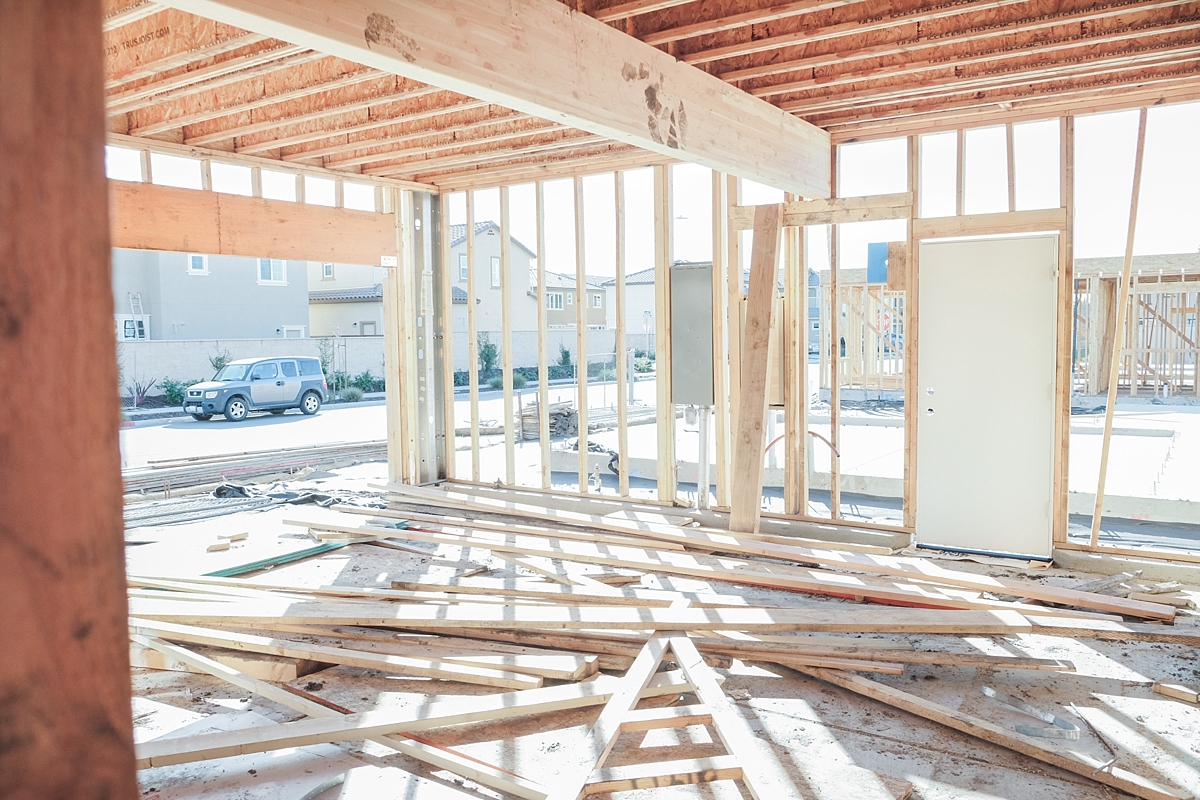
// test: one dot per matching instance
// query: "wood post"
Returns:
(733, 325)
(1123, 302)
(472, 337)
(64, 678)
(399, 315)
(721, 324)
(623, 376)
(911, 397)
(746, 506)
(795, 370)
(662, 333)
(543, 366)
(506, 345)
(581, 329)
(835, 361)
(449, 273)
(1064, 377)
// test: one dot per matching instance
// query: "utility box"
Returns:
(692, 334)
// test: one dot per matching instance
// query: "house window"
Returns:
(816, 326)
(272, 271)
(130, 328)
(293, 331)
(197, 264)
(366, 328)
(327, 271)
(570, 298)
(462, 267)
(554, 301)
(596, 301)
(495, 271)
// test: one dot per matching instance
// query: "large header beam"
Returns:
(539, 57)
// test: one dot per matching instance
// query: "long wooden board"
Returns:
(1041, 749)
(369, 724)
(916, 568)
(468, 615)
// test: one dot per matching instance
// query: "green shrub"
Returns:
(352, 394)
(339, 380)
(488, 352)
(364, 381)
(643, 364)
(173, 390)
(608, 374)
(220, 358)
(564, 356)
(519, 380)
(496, 382)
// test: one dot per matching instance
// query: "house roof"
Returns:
(355, 294)
(367, 293)
(557, 280)
(458, 234)
(1171, 264)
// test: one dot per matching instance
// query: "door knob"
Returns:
(279, 383)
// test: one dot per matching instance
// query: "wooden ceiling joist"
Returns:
(385, 133)
(427, 149)
(425, 166)
(539, 57)
(214, 76)
(165, 41)
(139, 9)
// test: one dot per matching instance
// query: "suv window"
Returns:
(289, 368)
(265, 371)
(310, 366)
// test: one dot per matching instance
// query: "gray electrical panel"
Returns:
(691, 334)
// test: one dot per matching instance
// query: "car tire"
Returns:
(278, 410)
(236, 409)
(202, 417)
(310, 403)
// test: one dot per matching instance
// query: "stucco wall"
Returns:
(188, 360)
(344, 319)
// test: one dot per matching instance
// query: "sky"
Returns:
(1168, 219)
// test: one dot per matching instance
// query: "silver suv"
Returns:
(258, 384)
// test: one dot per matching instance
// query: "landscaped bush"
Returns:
(352, 394)
(519, 380)
(339, 380)
(643, 364)
(497, 382)
(174, 390)
(365, 381)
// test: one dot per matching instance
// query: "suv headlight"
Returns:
(210, 394)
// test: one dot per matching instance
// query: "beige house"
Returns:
(345, 299)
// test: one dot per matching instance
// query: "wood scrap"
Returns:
(1177, 692)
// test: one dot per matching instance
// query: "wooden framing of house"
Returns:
(430, 98)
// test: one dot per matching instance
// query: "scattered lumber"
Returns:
(1177, 692)
(1076, 761)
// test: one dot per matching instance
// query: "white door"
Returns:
(985, 375)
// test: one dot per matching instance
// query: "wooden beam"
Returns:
(506, 344)
(1050, 219)
(795, 373)
(64, 678)
(1040, 749)
(150, 217)
(472, 336)
(664, 402)
(542, 58)
(1123, 302)
(542, 360)
(624, 377)
(799, 213)
(750, 438)
(581, 329)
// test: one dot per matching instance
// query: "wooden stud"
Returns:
(65, 676)
(449, 274)
(663, 258)
(623, 377)
(1012, 167)
(721, 323)
(748, 444)
(1124, 296)
(835, 363)
(735, 330)
(147, 167)
(581, 332)
(543, 366)
(911, 332)
(960, 179)
(472, 337)
(1066, 330)
(795, 361)
(506, 300)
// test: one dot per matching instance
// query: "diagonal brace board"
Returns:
(542, 58)
(750, 430)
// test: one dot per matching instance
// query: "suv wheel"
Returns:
(236, 409)
(202, 417)
(310, 403)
